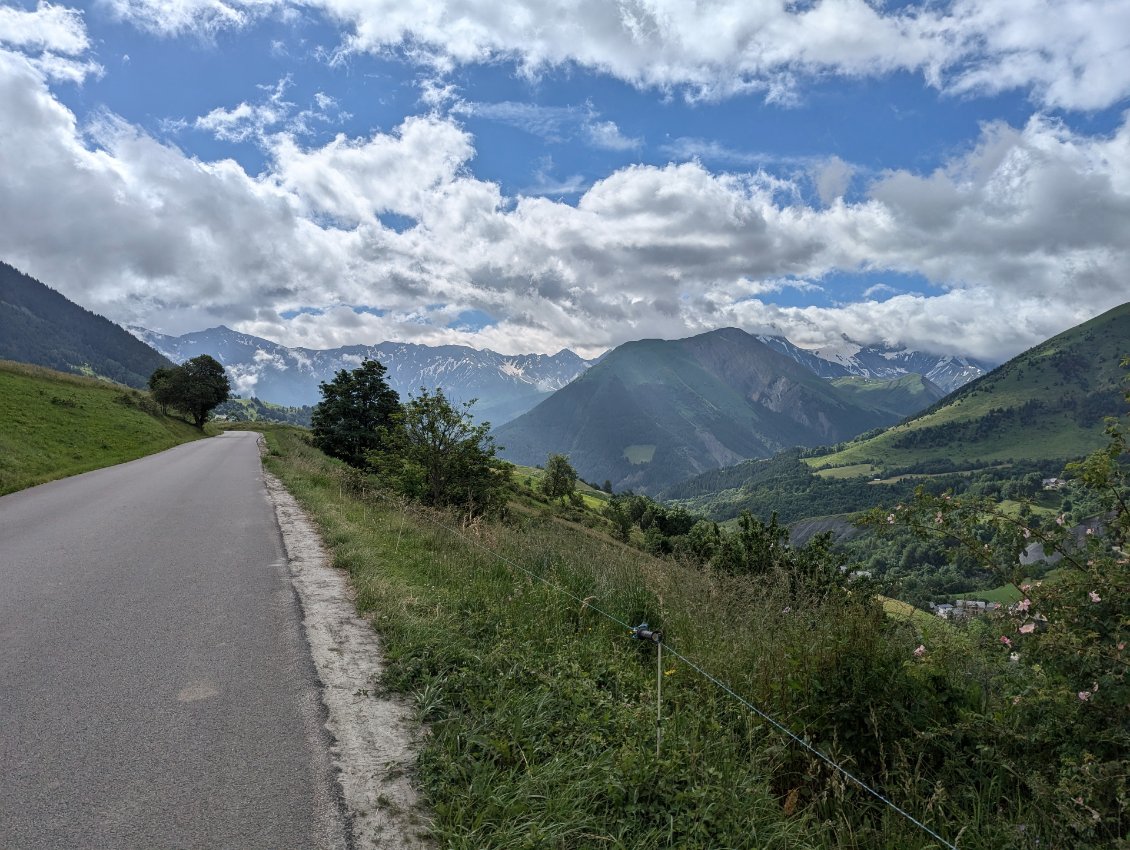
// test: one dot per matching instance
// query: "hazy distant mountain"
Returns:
(654, 412)
(505, 385)
(38, 325)
(948, 371)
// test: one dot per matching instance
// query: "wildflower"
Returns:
(1005, 640)
(1094, 596)
(669, 672)
(1014, 657)
(1084, 696)
(1027, 628)
(1121, 646)
(1059, 519)
(1027, 533)
(1090, 531)
(938, 517)
(1025, 587)
(920, 651)
(1016, 700)
(890, 519)
(1023, 604)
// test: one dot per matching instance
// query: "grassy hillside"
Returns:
(38, 325)
(542, 711)
(53, 425)
(1048, 402)
(901, 397)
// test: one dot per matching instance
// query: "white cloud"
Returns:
(51, 28)
(832, 178)
(1025, 233)
(174, 17)
(51, 38)
(606, 135)
(1073, 54)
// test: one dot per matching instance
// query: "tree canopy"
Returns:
(560, 479)
(435, 453)
(195, 388)
(355, 408)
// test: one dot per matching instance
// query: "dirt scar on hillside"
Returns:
(374, 737)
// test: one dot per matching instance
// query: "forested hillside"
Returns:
(38, 325)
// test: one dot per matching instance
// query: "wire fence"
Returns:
(662, 645)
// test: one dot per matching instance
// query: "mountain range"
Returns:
(654, 412)
(1033, 413)
(505, 385)
(38, 325)
(947, 371)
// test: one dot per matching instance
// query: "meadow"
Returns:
(53, 425)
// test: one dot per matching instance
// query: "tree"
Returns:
(161, 387)
(560, 480)
(195, 388)
(355, 407)
(433, 452)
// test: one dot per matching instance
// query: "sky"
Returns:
(527, 175)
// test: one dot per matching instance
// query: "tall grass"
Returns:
(542, 711)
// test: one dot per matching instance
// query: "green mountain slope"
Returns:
(38, 325)
(654, 411)
(902, 396)
(53, 425)
(1048, 402)
(1023, 420)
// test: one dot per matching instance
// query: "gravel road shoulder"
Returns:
(374, 736)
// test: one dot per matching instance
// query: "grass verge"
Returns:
(53, 425)
(542, 712)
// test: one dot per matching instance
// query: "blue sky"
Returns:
(526, 176)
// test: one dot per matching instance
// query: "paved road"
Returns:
(156, 689)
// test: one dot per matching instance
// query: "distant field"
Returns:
(856, 470)
(1006, 594)
(639, 454)
(53, 425)
(593, 498)
(930, 625)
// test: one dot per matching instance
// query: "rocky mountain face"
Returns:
(947, 371)
(654, 412)
(505, 385)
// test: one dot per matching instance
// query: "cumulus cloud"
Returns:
(1073, 54)
(832, 178)
(51, 39)
(1028, 224)
(256, 121)
(52, 28)
(605, 134)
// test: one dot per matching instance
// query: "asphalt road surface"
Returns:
(156, 688)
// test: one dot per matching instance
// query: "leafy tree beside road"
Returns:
(195, 388)
(426, 449)
(355, 407)
(434, 453)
